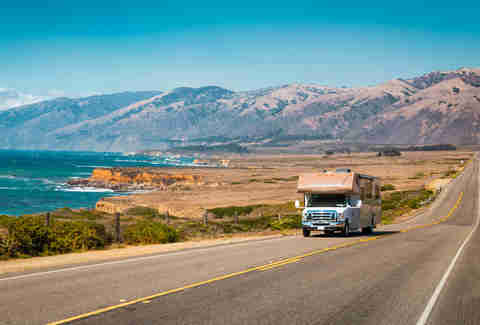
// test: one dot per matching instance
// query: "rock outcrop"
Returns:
(125, 179)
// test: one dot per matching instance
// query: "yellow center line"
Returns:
(443, 219)
(264, 268)
(249, 270)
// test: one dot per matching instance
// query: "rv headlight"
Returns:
(308, 216)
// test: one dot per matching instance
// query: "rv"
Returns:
(340, 201)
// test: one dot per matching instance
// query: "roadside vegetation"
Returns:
(68, 230)
(402, 202)
(387, 187)
(30, 236)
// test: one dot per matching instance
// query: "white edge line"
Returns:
(134, 259)
(433, 299)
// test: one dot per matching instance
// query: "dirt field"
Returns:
(271, 179)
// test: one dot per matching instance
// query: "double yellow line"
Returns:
(257, 268)
(443, 219)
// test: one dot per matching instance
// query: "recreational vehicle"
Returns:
(341, 201)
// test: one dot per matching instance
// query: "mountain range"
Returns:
(438, 107)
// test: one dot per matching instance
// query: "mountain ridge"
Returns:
(437, 107)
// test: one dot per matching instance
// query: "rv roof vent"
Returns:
(343, 170)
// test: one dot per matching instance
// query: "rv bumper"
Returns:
(335, 227)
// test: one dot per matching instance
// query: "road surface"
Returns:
(426, 271)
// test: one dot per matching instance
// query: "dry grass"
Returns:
(270, 179)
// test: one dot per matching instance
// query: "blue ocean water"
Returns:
(35, 181)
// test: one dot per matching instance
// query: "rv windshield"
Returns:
(327, 200)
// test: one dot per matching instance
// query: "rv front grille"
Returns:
(320, 216)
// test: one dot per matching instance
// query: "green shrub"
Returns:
(232, 210)
(29, 236)
(73, 236)
(401, 202)
(418, 175)
(3, 248)
(148, 232)
(283, 179)
(451, 173)
(5, 221)
(254, 224)
(291, 222)
(387, 187)
(269, 181)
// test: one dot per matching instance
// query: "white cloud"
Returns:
(10, 98)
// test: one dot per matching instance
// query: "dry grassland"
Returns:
(271, 179)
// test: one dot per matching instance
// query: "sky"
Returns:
(79, 48)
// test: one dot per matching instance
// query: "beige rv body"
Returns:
(340, 201)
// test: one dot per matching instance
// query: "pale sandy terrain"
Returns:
(270, 179)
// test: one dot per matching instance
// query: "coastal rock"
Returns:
(123, 179)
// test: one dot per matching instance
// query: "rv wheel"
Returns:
(346, 230)
(368, 230)
(306, 232)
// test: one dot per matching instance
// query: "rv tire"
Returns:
(346, 230)
(306, 232)
(367, 230)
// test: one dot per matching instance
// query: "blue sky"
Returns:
(83, 47)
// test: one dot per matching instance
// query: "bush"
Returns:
(398, 203)
(232, 210)
(292, 222)
(3, 248)
(451, 173)
(5, 221)
(148, 232)
(387, 187)
(29, 236)
(73, 236)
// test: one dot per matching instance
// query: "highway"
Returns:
(426, 271)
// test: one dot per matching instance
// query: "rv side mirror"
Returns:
(297, 204)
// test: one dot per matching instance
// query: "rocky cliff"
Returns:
(134, 179)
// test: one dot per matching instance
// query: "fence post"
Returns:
(235, 216)
(205, 218)
(117, 227)
(279, 217)
(47, 219)
(167, 216)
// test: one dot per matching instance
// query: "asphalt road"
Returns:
(395, 276)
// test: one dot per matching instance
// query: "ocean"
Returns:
(36, 181)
